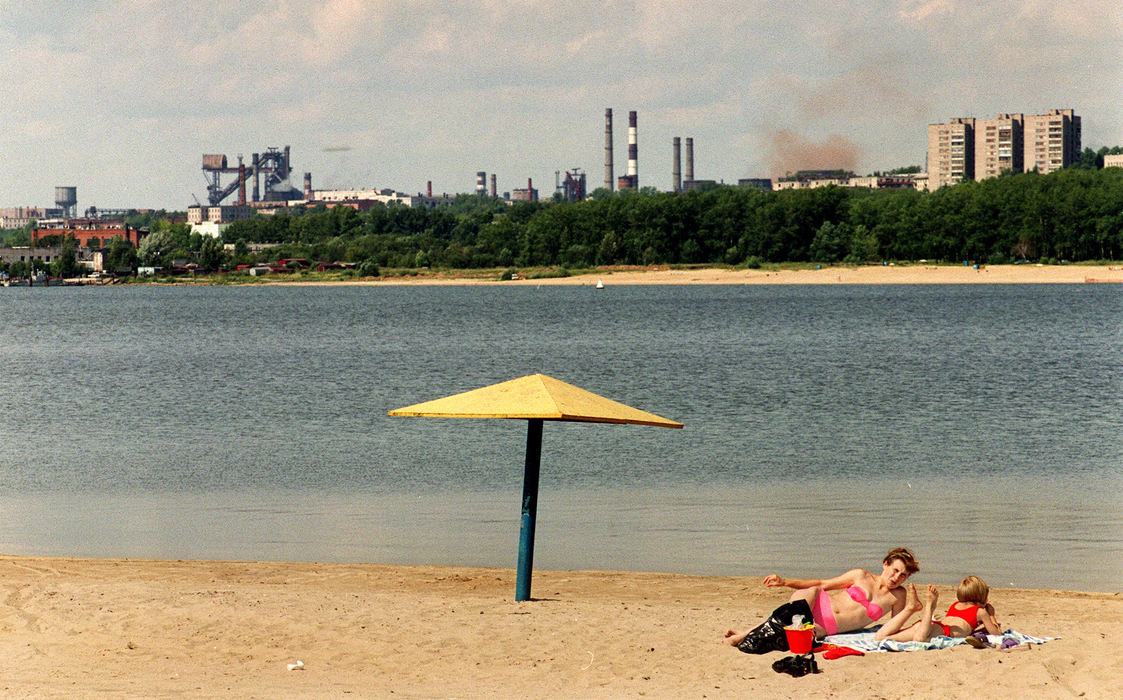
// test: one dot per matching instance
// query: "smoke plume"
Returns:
(787, 152)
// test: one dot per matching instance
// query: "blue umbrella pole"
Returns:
(530, 508)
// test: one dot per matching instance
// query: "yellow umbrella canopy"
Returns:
(535, 398)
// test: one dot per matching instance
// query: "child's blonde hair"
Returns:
(972, 589)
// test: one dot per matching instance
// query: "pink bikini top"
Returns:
(859, 596)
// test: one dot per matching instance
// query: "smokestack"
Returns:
(256, 177)
(241, 182)
(493, 185)
(481, 182)
(676, 169)
(633, 160)
(308, 187)
(608, 184)
(689, 159)
(429, 188)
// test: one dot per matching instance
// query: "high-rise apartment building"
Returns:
(975, 149)
(1052, 140)
(998, 145)
(951, 152)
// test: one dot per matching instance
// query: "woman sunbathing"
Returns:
(859, 598)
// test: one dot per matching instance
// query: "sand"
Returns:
(117, 628)
(866, 274)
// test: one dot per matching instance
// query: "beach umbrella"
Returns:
(534, 398)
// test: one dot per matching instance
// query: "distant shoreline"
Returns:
(870, 274)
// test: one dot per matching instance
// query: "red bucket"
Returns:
(800, 639)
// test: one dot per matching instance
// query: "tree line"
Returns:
(1074, 214)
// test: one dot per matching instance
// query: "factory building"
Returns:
(89, 233)
(573, 186)
(528, 195)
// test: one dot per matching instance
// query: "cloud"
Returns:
(439, 89)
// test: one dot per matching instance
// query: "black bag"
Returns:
(769, 635)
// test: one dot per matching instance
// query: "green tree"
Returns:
(66, 265)
(212, 256)
(121, 256)
(830, 243)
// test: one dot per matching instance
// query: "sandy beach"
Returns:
(866, 274)
(129, 628)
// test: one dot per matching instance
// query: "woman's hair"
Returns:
(972, 590)
(905, 556)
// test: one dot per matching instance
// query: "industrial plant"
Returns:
(962, 148)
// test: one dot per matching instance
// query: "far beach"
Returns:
(205, 629)
(862, 274)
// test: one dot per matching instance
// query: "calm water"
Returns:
(980, 425)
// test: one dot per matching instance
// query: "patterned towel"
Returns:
(864, 641)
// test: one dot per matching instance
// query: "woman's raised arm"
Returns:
(830, 584)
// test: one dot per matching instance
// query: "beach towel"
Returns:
(864, 641)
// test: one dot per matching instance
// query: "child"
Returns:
(969, 613)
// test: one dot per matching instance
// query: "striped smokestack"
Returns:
(676, 170)
(689, 159)
(608, 184)
(633, 150)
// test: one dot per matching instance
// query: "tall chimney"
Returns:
(608, 183)
(676, 170)
(493, 185)
(481, 182)
(689, 159)
(308, 187)
(241, 181)
(633, 160)
(429, 188)
(256, 177)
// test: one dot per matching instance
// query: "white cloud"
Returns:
(437, 90)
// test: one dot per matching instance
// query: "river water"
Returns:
(980, 425)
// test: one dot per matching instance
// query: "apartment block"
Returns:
(975, 149)
(951, 152)
(1052, 140)
(999, 145)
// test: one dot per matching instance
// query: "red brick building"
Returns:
(84, 230)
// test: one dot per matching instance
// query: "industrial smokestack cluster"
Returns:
(679, 183)
(630, 181)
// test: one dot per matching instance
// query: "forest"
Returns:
(1070, 215)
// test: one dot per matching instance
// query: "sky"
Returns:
(121, 99)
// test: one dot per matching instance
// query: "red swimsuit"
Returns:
(970, 615)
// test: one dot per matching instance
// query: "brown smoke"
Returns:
(788, 152)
